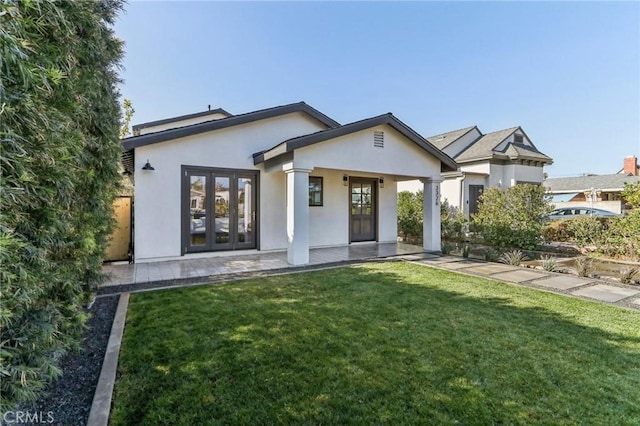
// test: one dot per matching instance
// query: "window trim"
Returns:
(311, 203)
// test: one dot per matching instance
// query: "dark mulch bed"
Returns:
(69, 398)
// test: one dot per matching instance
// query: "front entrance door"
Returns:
(219, 209)
(362, 215)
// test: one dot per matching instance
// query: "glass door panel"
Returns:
(245, 207)
(222, 219)
(197, 210)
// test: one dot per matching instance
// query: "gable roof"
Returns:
(614, 182)
(141, 126)
(443, 140)
(389, 119)
(234, 120)
(485, 148)
(522, 151)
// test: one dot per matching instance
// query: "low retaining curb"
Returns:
(101, 405)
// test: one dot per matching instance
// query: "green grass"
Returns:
(393, 343)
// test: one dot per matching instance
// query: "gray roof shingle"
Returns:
(515, 150)
(485, 148)
(614, 182)
(443, 140)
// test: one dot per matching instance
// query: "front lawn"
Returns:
(393, 343)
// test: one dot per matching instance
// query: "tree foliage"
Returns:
(127, 107)
(59, 125)
(513, 218)
(410, 213)
(631, 193)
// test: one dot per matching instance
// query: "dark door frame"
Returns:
(477, 192)
(210, 173)
(374, 209)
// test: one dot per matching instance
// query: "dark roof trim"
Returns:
(388, 119)
(234, 120)
(180, 118)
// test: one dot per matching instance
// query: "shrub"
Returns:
(452, 222)
(513, 218)
(623, 236)
(627, 275)
(60, 153)
(447, 247)
(587, 231)
(549, 263)
(465, 251)
(556, 231)
(410, 213)
(513, 257)
(584, 266)
(491, 254)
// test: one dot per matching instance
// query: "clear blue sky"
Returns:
(568, 73)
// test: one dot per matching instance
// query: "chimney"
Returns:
(631, 165)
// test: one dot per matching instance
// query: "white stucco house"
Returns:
(499, 159)
(283, 178)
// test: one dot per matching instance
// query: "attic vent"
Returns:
(518, 139)
(378, 139)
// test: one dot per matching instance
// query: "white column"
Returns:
(431, 225)
(298, 216)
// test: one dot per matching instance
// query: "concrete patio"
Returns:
(141, 273)
(175, 273)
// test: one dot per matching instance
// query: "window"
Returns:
(315, 191)
(518, 138)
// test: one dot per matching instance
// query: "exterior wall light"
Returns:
(148, 166)
(381, 182)
(345, 180)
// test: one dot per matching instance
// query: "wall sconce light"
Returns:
(148, 166)
(381, 182)
(345, 180)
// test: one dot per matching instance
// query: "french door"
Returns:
(363, 208)
(219, 209)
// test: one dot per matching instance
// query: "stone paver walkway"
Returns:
(586, 288)
(142, 276)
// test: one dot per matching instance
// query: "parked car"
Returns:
(572, 212)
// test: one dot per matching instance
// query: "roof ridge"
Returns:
(180, 118)
(178, 132)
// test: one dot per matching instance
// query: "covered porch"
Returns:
(173, 271)
(353, 170)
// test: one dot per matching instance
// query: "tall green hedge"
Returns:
(513, 218)
(59, 123)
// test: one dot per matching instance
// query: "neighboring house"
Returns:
(600, 191)
(630, 166)
(283, 178)
(500, 159)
